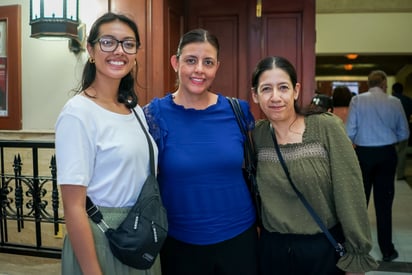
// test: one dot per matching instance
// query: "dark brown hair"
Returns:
(126, 93)
(197, 35)
(341, 96)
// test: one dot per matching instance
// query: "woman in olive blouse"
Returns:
(323, 166)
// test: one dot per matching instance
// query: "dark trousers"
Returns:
(295, 254)
(378, 165)
(237, 256)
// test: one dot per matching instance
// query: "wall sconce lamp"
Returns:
(56, 19)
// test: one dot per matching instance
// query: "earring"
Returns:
(91, 60)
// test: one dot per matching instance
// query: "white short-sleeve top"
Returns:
(105, 151)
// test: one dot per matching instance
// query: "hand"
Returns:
(354, 273)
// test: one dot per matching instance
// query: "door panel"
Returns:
(286, 27)
(228, 21)
(226, 29)
(281, 36)
(278, 35)
(174, 29)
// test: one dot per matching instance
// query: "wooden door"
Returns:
(228, 20)
(285, 28)
(174, 29)
(160, 23)
(149, 17)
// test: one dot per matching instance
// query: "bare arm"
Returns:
(78, 228)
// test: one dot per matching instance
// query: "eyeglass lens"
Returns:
(109, 44)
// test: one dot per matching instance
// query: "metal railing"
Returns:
(31, 214)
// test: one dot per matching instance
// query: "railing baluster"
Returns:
(33, 193)
(55, 194)
(18, 193)
(3, 199)
(36, 196)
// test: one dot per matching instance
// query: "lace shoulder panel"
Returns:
(157, 125)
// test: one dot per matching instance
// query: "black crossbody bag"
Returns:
(138, 239)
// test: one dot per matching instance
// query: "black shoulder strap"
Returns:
(149, 141)
(91, 209)
(241, 120)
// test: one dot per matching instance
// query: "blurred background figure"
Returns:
(341, 97)
(402, 147)
(322, 103)
(375, 123)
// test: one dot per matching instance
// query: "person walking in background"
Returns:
(101, 150)
(376, 122)
(211, 216)
(402, 146)
(341, 97)
(324, 168)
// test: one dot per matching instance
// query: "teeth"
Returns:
(197, 79)
(116, 62)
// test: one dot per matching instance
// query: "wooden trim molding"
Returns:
(10, 68)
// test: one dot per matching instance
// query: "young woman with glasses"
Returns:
(101, 150)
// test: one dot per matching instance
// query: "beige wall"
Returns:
(366, 26)
(376, 33)
(363, 33)
(44, 63)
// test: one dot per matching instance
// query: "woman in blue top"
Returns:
(211, 215)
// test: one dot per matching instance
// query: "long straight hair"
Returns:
(126, 92)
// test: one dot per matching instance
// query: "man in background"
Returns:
(375, 123)
(402, 147)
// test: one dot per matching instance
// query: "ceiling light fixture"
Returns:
(351, 56)
(348, 67)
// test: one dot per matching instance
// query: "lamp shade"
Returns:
(54, 18)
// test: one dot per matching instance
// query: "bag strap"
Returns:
(338, 247)
(149, 141)
(241, 120)
(249, 156)
(92, 209)
(95, 215)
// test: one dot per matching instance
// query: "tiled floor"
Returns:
(402, 228)
(402, 232)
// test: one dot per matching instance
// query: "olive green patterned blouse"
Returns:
(325, 169)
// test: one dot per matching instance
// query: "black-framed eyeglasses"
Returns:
(110, 44)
